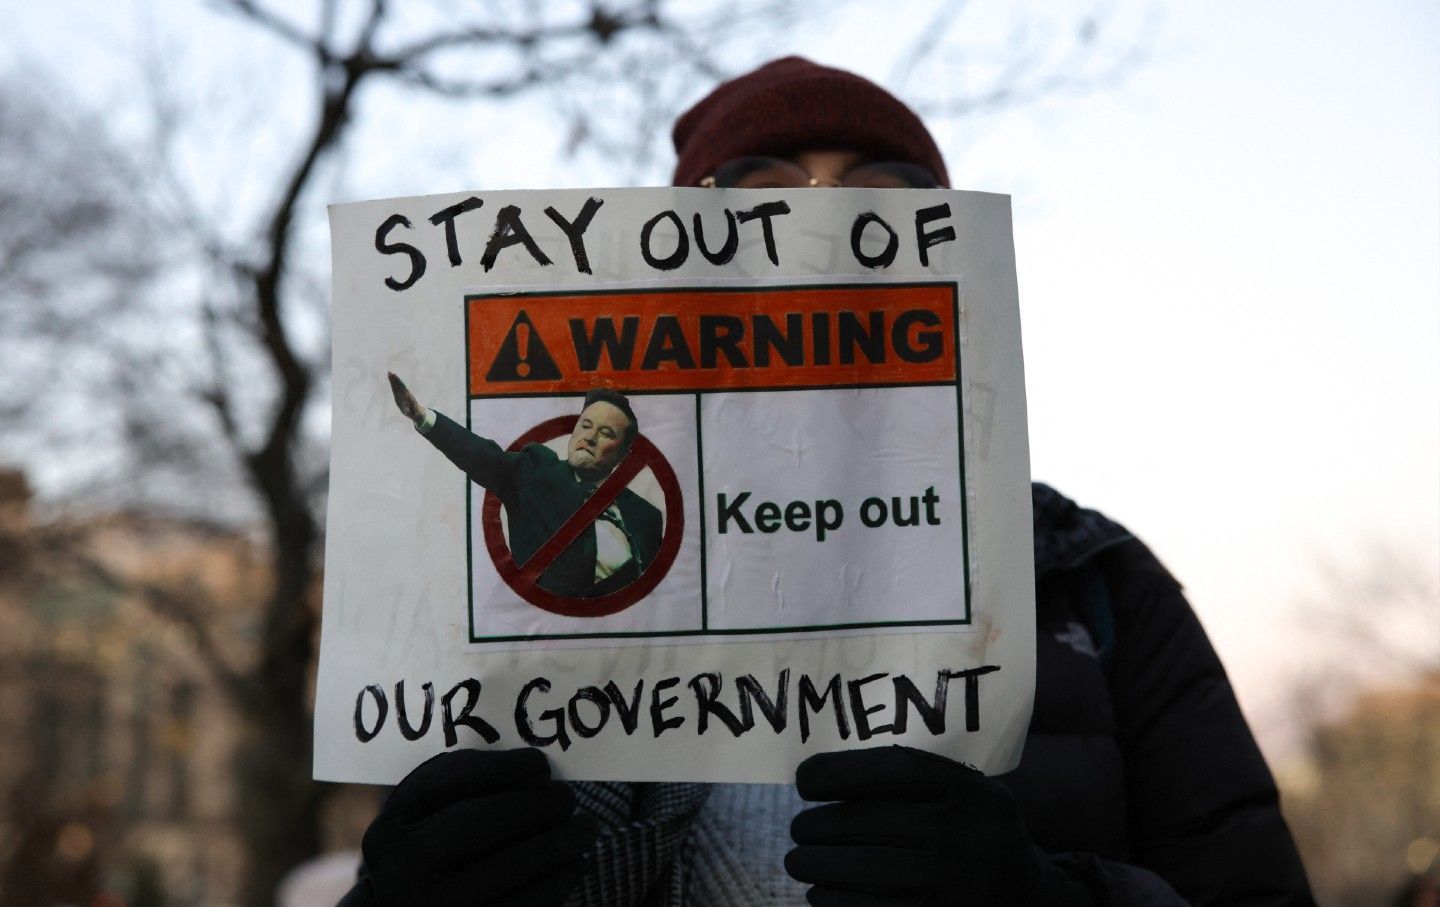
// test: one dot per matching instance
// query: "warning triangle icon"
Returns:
(523, 356)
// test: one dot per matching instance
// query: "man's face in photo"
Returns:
(598, 442)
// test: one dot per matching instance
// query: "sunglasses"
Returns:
(774, 173)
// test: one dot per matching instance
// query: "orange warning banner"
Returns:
(710, 339)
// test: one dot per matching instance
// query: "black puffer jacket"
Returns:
(1139, 765)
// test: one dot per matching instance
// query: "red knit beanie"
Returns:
(791, 105)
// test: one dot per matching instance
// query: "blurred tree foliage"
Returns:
(1363, 799)
(1368, 805)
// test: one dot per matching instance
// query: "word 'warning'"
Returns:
(705, 339)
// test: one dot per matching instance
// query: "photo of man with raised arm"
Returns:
(541, 491)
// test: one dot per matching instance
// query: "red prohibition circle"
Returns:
(601, 605)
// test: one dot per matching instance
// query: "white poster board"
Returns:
(826, 510)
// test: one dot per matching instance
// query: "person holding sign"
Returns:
(1140, 783)
(541, 492)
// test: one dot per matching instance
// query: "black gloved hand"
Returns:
(471, 827)
(914, 828)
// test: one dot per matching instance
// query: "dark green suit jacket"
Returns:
(539, 492)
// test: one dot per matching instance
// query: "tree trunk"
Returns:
(281, 808)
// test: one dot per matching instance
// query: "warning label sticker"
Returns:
(712, 339)
(797, 465)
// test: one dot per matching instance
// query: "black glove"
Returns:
(914, 828)
(471, 827)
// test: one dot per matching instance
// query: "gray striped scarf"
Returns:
(639, 858)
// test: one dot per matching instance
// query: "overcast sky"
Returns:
(1229, 274)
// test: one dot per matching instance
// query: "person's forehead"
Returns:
(602, 413)
(828, 151)
(818, 151)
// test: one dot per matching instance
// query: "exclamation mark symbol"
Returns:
(522, 349)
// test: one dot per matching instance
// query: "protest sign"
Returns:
(795, 518)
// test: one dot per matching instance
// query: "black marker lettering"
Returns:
(449, 722)
(972, 693)
(892, 244)
(522, 718)
(708, 701)
(862, 713)
(811, 701)
(384, 247)
(382, 707)
(447, 217)
(773, 710)
(682, 243)
(727, 250)
(510, 231)
(658, 722)
(597, 698)
(927, 238)
(575, 230)
(629, 712)
(763, 212)
(403, 720)
(906, 694)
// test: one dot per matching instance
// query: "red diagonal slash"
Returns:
(644, 455)
(603, 496)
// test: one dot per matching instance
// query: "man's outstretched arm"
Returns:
(410, 408)
(484, 461)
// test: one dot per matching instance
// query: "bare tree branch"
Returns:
(366, 40)
(271, 22)
(325, 31)
(217, 393)
(462, 90)
(1089, 60)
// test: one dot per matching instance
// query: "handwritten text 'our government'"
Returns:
(875, 704)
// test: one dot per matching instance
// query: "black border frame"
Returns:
(705, 630)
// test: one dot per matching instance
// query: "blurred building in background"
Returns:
(116, 777)
(1364, 802)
